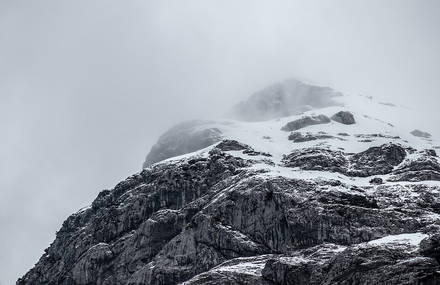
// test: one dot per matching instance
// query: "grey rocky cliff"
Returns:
(215, 220)
(344, 117)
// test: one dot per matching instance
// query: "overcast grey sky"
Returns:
(86, 86)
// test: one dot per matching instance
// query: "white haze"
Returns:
(86, 86)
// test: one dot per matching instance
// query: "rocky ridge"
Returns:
(330, 203)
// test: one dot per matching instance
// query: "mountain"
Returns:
(309, 191)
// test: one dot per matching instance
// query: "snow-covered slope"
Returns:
(376, 123)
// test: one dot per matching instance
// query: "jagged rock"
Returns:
(237, 271)
(181, 139)
(370, 136)
(92, 265)
(317, 159)
(421, 134)
(431, 152)
(377, 160)
(233, 145)
(304, 122)
(376, 180)
(424, 167)
(344, 117)
(386, 264)
(374, 161)
(299, 137)
(430, 247)
(286, 98)
(366, 264)
(329, 264)
(301, 267)
(228, 145)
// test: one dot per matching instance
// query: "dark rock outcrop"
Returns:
(374, 161)
(238, 271)
(305, 122)
(424, 167)
(366, 264)
(375, 136)
(181, 139)
(430, 247)
(376, 180)
(317, 159)
(298, 137)
(377, 160)
(233, 145)
(344, 117)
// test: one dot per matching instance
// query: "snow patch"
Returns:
(413, 239)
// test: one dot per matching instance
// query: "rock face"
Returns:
(365, 264)
(305, 122)
(253, 204)
(430, 247)
(181, 139)
(344, 117)
(298, 137)
(374, 161)
(284, 99)
(424, 167)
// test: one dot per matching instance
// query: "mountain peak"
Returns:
(285, 98)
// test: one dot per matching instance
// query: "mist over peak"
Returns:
(285, 98)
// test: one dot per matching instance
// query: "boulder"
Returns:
(421, 134)
(298, 137)
(344, 117)
(305, 122)
(376, 180)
